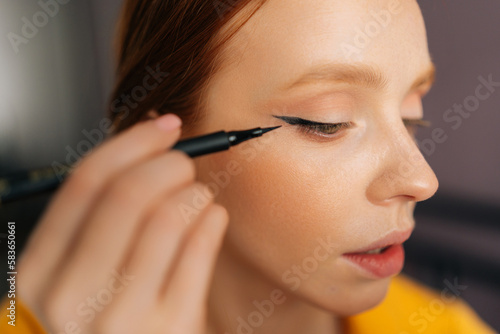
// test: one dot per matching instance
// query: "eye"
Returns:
(316, 128)
(412, 125)
(324, 129)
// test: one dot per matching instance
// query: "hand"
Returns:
(113, 252)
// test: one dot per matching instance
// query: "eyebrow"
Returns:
(359, 75)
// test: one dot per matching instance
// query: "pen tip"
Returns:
(270, 129)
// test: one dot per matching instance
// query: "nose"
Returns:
(402, 172)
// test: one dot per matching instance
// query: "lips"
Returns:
(393, 238)
(382, 258)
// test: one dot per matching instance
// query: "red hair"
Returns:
(167, 51)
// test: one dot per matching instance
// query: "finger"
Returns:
(153, 254)
(63, 217)
(188, 286)
(117, 219)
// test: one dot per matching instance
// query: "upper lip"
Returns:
(395, 237)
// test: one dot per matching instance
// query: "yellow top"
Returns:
(413, 308)
(409, 308)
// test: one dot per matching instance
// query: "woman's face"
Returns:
(296, 189)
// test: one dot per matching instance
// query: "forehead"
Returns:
(285, 37)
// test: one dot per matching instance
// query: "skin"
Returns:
(295, 188)
(131, 208)
(112, 239)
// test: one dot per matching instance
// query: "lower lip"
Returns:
(385, 264)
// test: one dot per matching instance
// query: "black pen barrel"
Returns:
(201, 145)
(21, 186)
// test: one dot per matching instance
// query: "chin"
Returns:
(350, 300)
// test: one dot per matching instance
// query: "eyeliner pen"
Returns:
(25, 184)
(218, 141)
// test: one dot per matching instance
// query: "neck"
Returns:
(243, 301)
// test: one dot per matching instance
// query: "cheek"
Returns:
(280, 209)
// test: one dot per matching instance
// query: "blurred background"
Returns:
(57, 72)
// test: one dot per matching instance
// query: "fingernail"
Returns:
(168, 122)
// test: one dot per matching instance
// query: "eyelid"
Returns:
(312, 126)
(300, 121)
(316, 128)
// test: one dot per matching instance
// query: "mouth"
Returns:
(382, 258)
(376, 251)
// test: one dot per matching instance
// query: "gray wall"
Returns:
(457, 235)
(64, 68)
(464, 41)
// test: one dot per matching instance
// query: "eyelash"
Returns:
(324, 129)
(330, 129)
